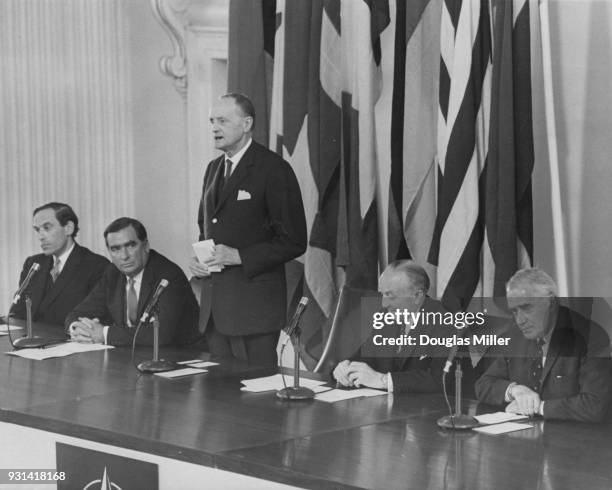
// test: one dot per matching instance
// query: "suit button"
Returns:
(214, 220)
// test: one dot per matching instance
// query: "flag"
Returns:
(361, 23)
(465, 77)
(305, 130)
(412, 196)
(252, 27)
(484, 226)
(509, 214)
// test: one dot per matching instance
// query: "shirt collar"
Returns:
(63, 257)
(239, 154)
(137, 278)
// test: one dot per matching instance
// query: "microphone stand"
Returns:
(156, 365)
(29, 341)
(457, 421)
(296, 392)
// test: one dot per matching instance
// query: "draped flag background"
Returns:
(460, 139)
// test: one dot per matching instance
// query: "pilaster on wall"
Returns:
(197, 67)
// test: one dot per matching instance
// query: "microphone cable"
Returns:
(448, 405)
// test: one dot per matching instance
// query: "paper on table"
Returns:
(338, 395)
(275, 382)
(198, 363)
(58, 350)
(316, 389)
(502, 428)
(498, 417)
(203, 251)
(177, 373)
(3, 328)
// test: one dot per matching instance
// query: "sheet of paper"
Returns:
(198, 363)
(203, 251)
(4, 329)
(275, 382)
(179, 373)
(498, 417)
(58, 350)
(502, 428)
(338, 395)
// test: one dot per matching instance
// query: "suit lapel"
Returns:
(147, 288)
(209, 193)
(240, 173)
(68, 272)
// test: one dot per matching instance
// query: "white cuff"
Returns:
(508, 395)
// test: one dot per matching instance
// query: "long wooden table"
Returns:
(389, 441)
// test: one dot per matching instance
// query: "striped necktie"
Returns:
(132, 303)
(55, 271)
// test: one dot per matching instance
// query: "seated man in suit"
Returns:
(557, 363)
(68, 272)
(112, 310)
(413, 368)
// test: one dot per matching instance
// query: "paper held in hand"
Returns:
(203, 251)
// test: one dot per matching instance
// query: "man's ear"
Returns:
(69, 227)
(248, 123)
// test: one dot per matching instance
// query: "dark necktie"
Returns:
(228, 171)
(537, 366)
(132, 303)
(55, 271)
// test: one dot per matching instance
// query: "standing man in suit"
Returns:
(252, 208)
(68, 272)
(112, 310)
(409, 368)
(557, 364)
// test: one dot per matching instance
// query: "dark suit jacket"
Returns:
(576, 382)
(178, 309)
(417, 368)
(51, 302)
(268, 229)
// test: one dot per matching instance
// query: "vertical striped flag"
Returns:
(412, 194)
(485, 149)
(509, 213)
(463, 129)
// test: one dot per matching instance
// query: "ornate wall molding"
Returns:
(177, 17)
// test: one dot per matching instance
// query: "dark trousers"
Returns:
(257, 349)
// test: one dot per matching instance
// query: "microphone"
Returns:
(163, 284)
(453, 352)
(26, 282)
(295, 320)
(295, 392)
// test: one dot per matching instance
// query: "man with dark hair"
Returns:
(68, 271)
(558, 362)
(252, 208)
(112, 310)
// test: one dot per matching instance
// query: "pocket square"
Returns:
(243, 195)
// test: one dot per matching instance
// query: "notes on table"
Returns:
(498, 417)
(502, 428)
(198, 363)
(335, 395)
(275, 382)
(203, 251)
(58, 350)
(179, 373)
(4, 329)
